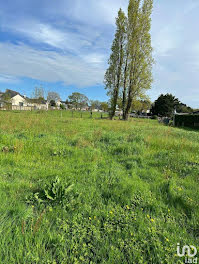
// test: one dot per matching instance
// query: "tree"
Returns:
(104, 106)
(140, 51)
(95, 104)
(183, 108)
(165, 105)
(78, 100)
(38, 93)
(68, 103)
(52, 103)
(62, 106)
(53, 96)
(141, 105)
(113, 75)
(130, 64)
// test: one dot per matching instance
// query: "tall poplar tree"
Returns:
(140, 50)
(113, 75)
(130, 64)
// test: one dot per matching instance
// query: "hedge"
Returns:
(187, 121)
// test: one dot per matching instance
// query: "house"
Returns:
(118, 113)
(64, 104)
(15, 101)
(95, 110)
(19, 100)
(59, 103)
(145, 112)
(38, 104)
(86, 108)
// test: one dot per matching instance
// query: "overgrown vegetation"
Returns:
(89, 190)
(191, 121)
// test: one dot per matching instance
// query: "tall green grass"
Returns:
(90, 190)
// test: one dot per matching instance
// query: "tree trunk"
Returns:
(124, 89)
(129, 102)
(128, 107)
(116, 92)
(114, 103)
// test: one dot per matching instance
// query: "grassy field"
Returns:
(82, 190)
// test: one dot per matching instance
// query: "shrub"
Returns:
(62, 107)
(154, 117)
(191, 121)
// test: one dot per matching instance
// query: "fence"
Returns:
(21, 108)
(87, 114)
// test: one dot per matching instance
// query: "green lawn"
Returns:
(82, 190)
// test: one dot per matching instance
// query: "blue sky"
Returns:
(64, 46)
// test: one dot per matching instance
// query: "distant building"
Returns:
(18, 100)
(59, 103)
(15, 101)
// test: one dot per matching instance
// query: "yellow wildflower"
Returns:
(152, 220)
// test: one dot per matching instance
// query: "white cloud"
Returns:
(50, 66)
(4, 78)
(94, 58)
(47, 34)
(92, 11)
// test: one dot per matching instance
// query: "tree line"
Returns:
(74, 101)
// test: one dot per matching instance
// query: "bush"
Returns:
(62, 107)
(154, 117)
(191, 121)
